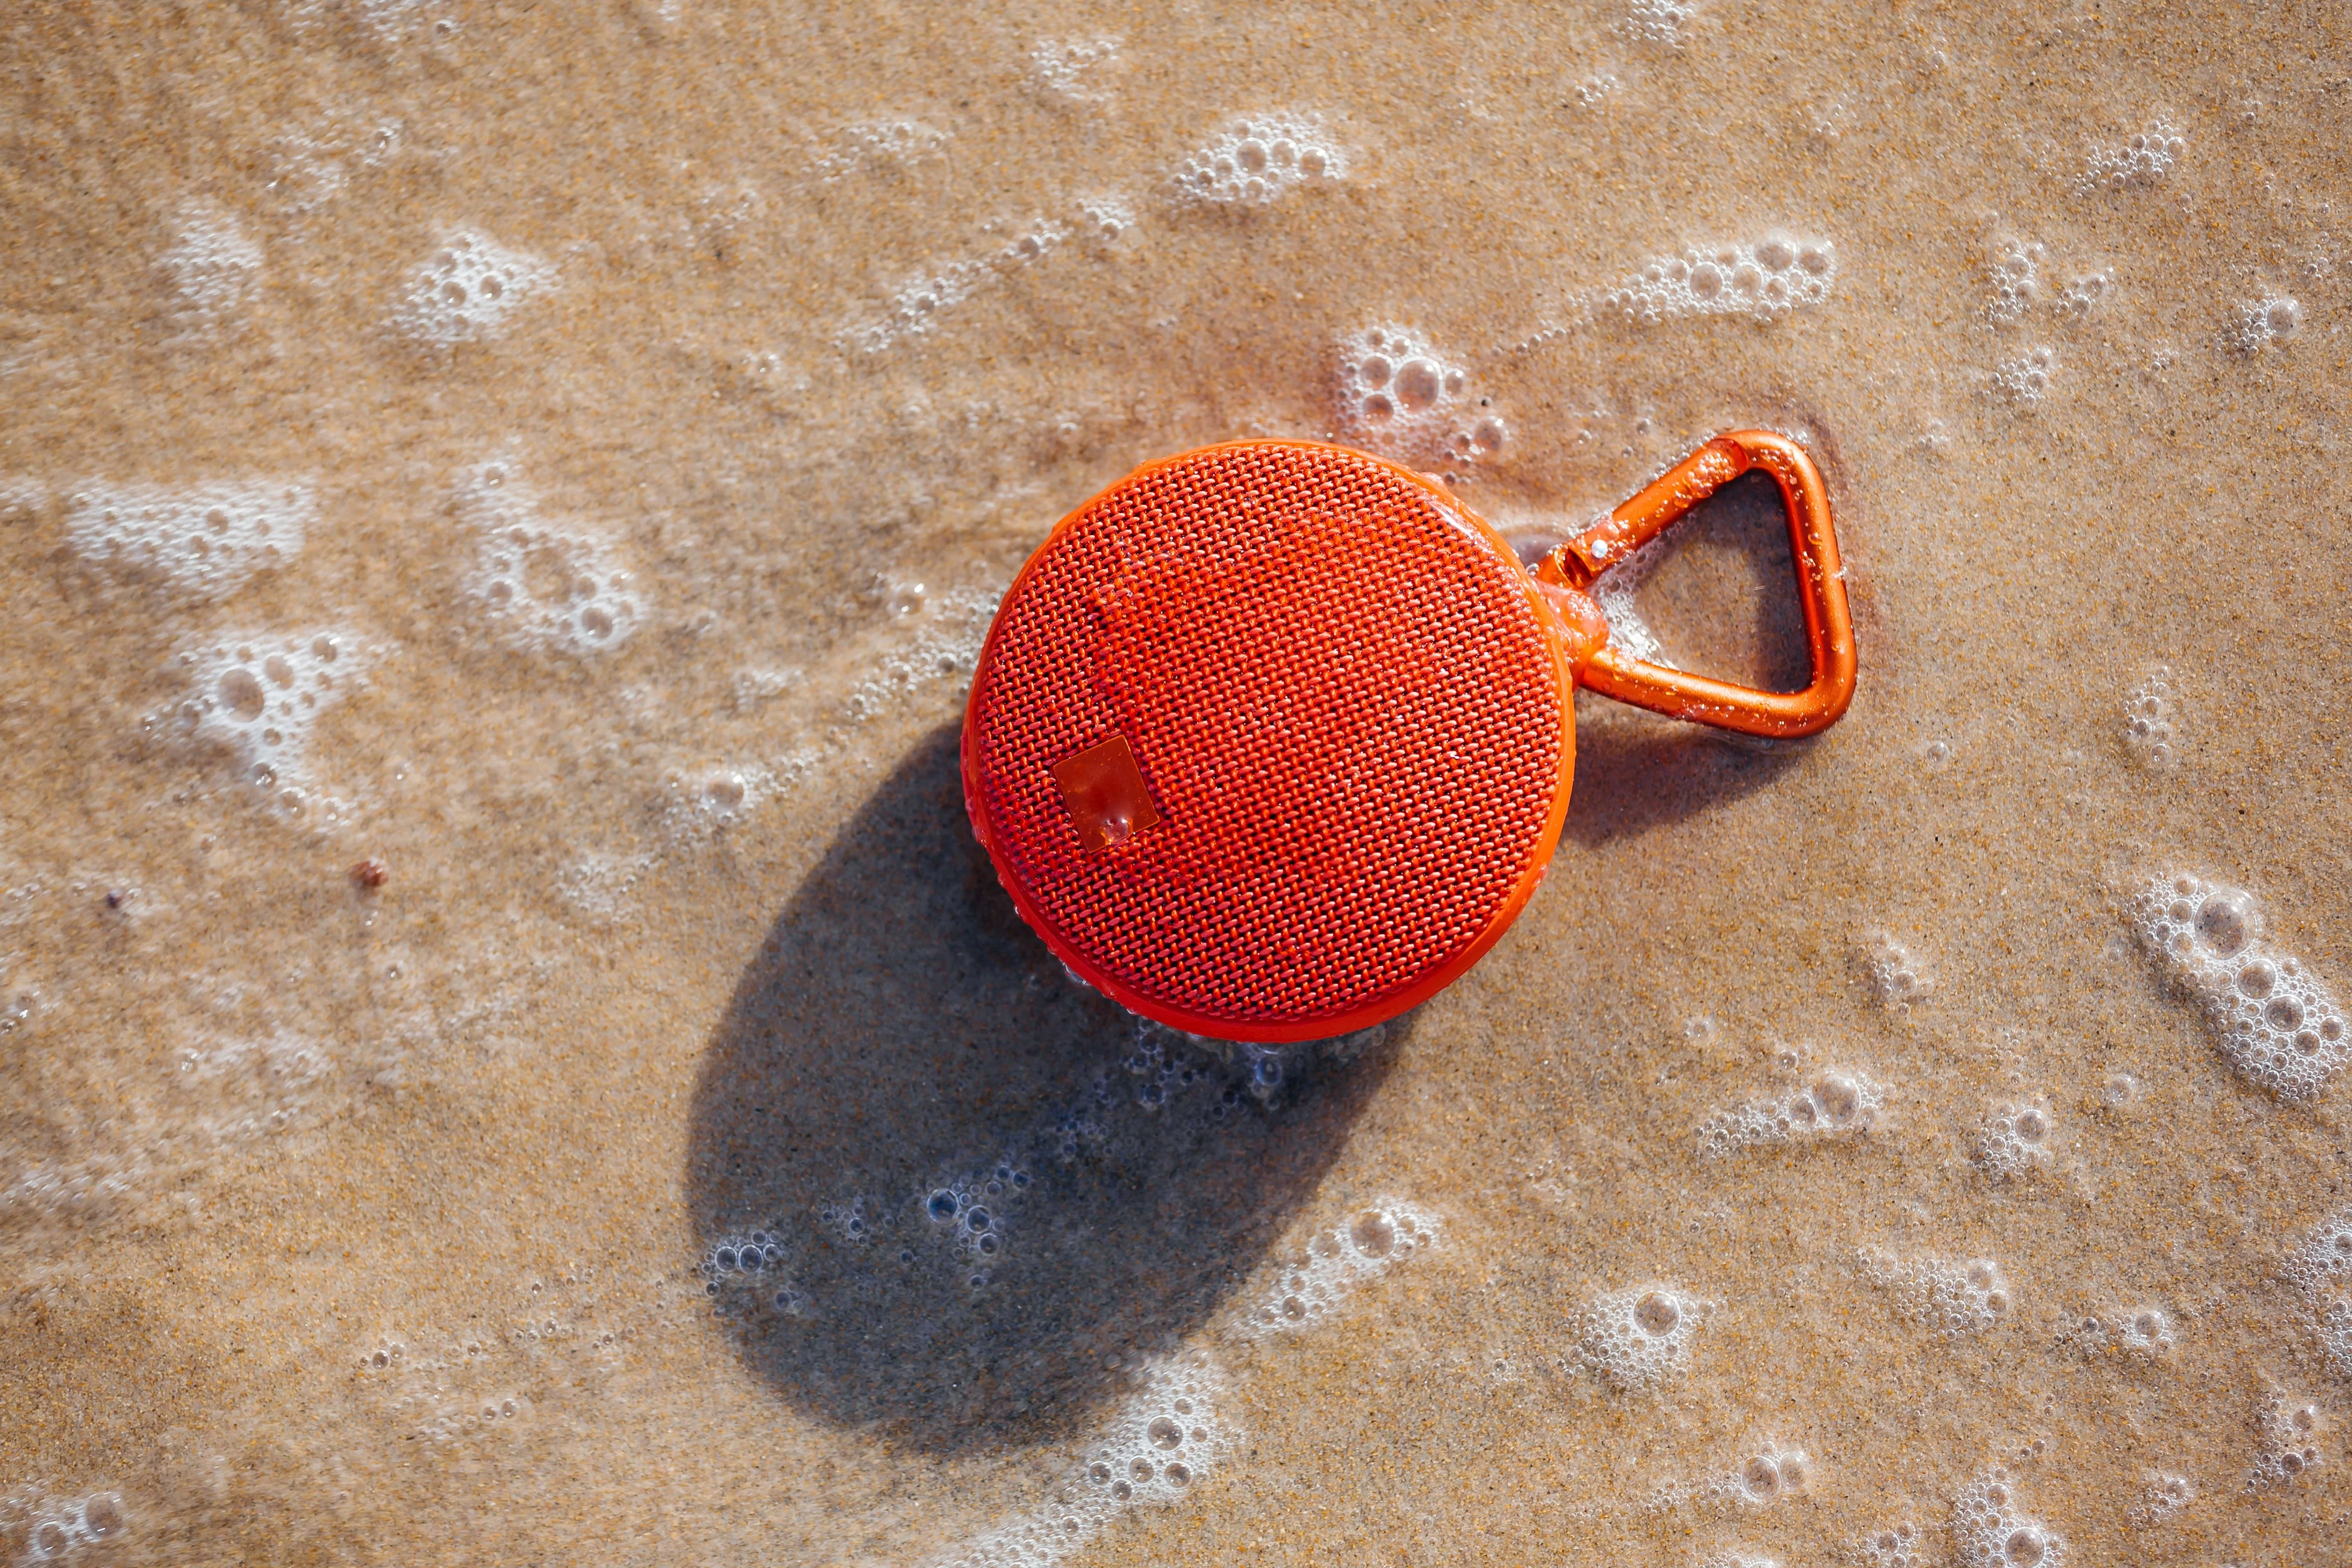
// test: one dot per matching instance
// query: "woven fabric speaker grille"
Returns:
(1350, 713)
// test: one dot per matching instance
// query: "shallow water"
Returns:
(564, 459)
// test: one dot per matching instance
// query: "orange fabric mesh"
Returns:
(1341, 698)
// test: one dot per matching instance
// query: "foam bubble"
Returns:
(54, 1528)
(390, 19)
(2152, 720)
(243, 1089)
(755, 688)
(880, 144)
(2167, 1498)
(2274, 1021)
(2264, 321)
(1900, 974)
(1107, 219)
(1400, 397)
(2015, 1138)
(1595, 90)
(1763, 279)
(2321, 1267)
(942, 641)
(1314, 1285)
(1769, 1475)
(2324, 1260)
(1990, 1530)
(602, 888)
(1259, 161)
(2025, 380)
(213, 266)
(1830, 119)
(2290, 1435)
(918, 304)
(261, 694)
(697, 803)
(2144, 158)
(1894, 1546)
(204, 541)
(312, 166)
(548, 587)
(1656, 21)
(467, 289)
(2084, 294)
(2016, 277)
(1950, 1298)
(2142, 1333)
(1639, 1338)
(1069, 70)
(1836, 1105)
(1164, 1442)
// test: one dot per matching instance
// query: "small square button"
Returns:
(1104, 794)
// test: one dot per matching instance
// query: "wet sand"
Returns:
(567, 457)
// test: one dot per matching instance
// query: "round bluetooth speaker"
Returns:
(1270, 740)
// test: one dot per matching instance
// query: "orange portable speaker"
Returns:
(1272, 741)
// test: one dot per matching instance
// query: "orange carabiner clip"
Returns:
(1575, 565)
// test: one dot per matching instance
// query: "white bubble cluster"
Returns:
(2084, 294)
(1166, 1438)
(1595, 90)
(1899, 972)
(214, 266)
(2262, 322)
(1400, 397)
(204, 540)
(942, 640)
(1990, 1530)
(697, 803)
(1764, 281)
(242, 1089)
(1763, 1477)
(2288, 1434)
(2014, 1139)
(755, 688)
(2152, 720)
(2274, 1021)
(1656, 21)
(2025, 380)
(1639, 1338)
(548, 587)
(918, 304)
(467, 289)
(2321, 1267)
(602, 888)
(879, 145)
(1896, 1546)
(261, 695)
(2167, 1497)
(1105, 218)
(1069, 69)
(1261, 160)
(2016, 276)
(1950, 1298)
(2144, 158)
(2142, 1333)
(1314, 1286)
(759, 1259)
(1618, 595)
(1742, 1560)
(1836, 1105)
(54, 1528)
